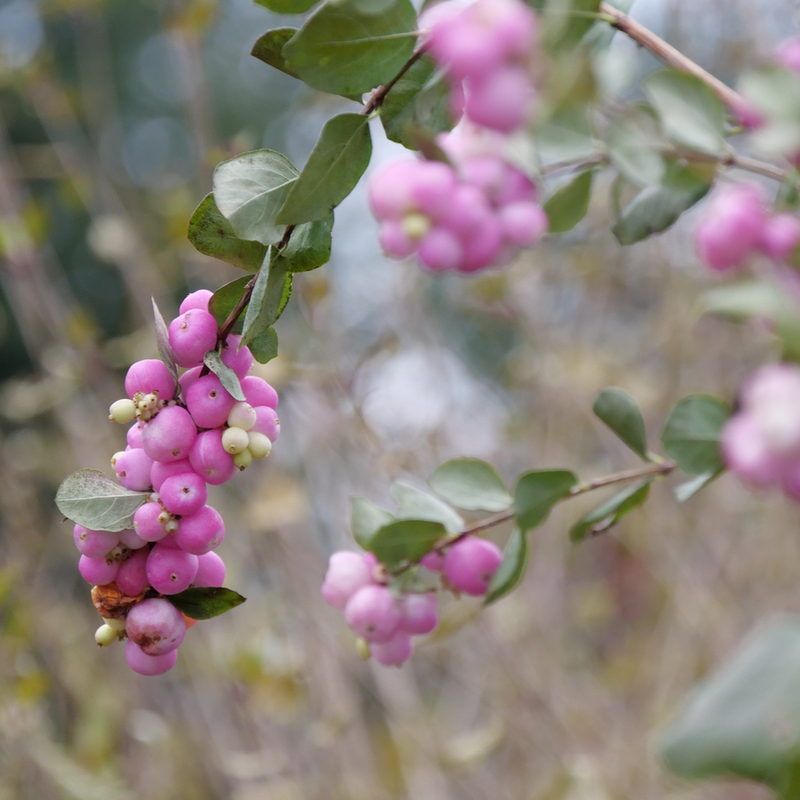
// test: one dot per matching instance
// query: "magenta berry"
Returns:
(258, 392)
(239, 359)
(347, 573)
(170, 435)
(210, 570)
(98, 571)
(148, 376)
(131, 539)
(170, 571)
(134, 435)
(502, 100)
(373, 613)
(209, 402)
(94, 544)
(183, 494)
(394, 652)
(267, 422)
(133, 469)
(144, 664)
(434, 561)
(156, 626)
(780, 236)
(166, 469)
(420, 613)
(210, 460)
(188, 378)
(200, 532)
(470, 564)
(131, 578)
(198, 299)
(191, 336)
(147, 522)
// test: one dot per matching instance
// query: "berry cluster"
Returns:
(761, 442)
(183, 437)
(738, 223)
(386, 613)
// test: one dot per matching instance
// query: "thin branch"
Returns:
(575, 163)
(668, 54)
(379, 95)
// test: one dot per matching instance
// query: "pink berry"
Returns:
(489, 173)
(468, 209)
(373, 613)
(166, 469)
(394, 241)
(200, 532)
(523, 223)
(420, 613)
(150, 376)
(132, 540)
(170, 571)
(147, 524)
(470, 564)
(94, 544)
(210, 570)
(131, 579)
(210, 460)
(394, 652)
(133, 469)
(198, 299)
(258, 392)
(209, 402)
(183, 494)
(440, 250)
(267, 422)
(347, 573)
(191, 336)
(389, 189)
(156, 626)
(188, 378)
(433, 187)
(781, 235)
(144, 664)
(503, 99)
(98, 571)
(239, 359)
(134, 436)
(482, 247)
(516, 188)
(434, 561)
(788, 54)
(745, 451)
(170, 435)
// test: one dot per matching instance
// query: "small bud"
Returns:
(122, 411)
(105, 635)
(243, 460)
(164, 517)
(115, 457)
(235, 440)
(115, 624)
(243, 416)
(172, 526)
(415, 226)
(259, 445)
(362, 648)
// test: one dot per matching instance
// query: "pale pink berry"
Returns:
(433, 187)
(267, 422)
(133, 469)
(790, 479)
(482, 246)
(210, 570)
(198, 299)
(144, 664)
(188, 378)
(440, 250)
(147, 522)
(191, 336)
(394, 241)
(468, 208)
(470, 564)
(134, 435)
(94, 544)
(781, 235)
(788, 54)
(746, 453)
(209, 402)
(131, 578)
(170, 435)
(184, 494)
(373, 613)
(98, 571)
(132, 540)
(420, 613)
(434, 561)
(166, 469)
(516, 188)
(347, 573)
(523, 223)
(150, 376)
(502, 99)
(771, 396)
(394, 652)
(170, 571)
(239, 359)
(210, 460)
(390, 189)
(156, 626)
(200, 532)
(258, 392)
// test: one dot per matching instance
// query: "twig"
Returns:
(379, 95)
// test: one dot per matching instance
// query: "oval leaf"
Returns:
(621, 413)
(471, 484)
(691, 433)
(250, 189)
(308, 247)
(264, 347)
(162, 342)
(224, 300)
(537, 492)
(511, 570)
(611, 512)
(352, 46)
(633, 146)
(366, 518)
(333, 169)
(568, 205)
(90, 498)
(271, 292)
(413, 503)
(205, 602)
(227, 377)
(287, 6)
(405, 540)
(689, 489)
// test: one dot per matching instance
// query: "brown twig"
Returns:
(379, 95)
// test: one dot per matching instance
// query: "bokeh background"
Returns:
(112, 116)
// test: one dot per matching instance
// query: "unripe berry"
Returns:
(115, 624)
(150, 375)
(243, 460)
(122, 411)
(210, 570)
(347, 573)
(94, 544)
(106, 635)
(144, 664)
(470, 564)
(184, 494)
(131, 579)
(259, 445)
(200, 532)
(234, 440)
(172, 526)
(191, 336)
(420, 613)
(372, 612)
(156, 626)
(170, 436)
(394, 652)
(209, 402)
(170, 571)
(243, 416)
(210, 460)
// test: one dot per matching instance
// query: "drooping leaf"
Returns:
(264, 347)
(633, 141)
(419, 101)
(92, 499)
(691, 433)
(471, 484)
(744, 719)
(511, 570)
(205, 602)
(366, 518)
(689, 489)
(655, 208)
(250, 189)
(405, 540)
(568, 205)
(212, 235)
(537, 492)
(621, 413)
(224, 300)
(309, 246)
(690, 112)
(270, 294)
(162, 342)
(611, 512)
(413, 503)
(352, 46)
(333, 169)
(227, 377)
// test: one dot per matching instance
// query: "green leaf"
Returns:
(690, 112)
(271, 292)
(227, 377)
(224, 300)
(352, 46)
(268, 47)
(611, 512)
(419, 101)
(621, 413)
(309, 246)
(691, 433)
(657, 207)
(471, 484)
(333, 169)
(568, 205)
(287, 6)
(405, 540)
(162, 342)
(744, 719)
(537, 492)
(249, 191)
(92, 499)
(775, 93)
(264, 347)
(413, 503)
(633, 146)
(567, 136)
(563, 27)
(212, 235)
(205, 602)
(366, 518)
(692, 487)
(511, 570)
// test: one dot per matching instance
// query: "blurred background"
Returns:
(112, 116)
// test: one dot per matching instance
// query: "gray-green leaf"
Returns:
(162, 342)
(621, 413)
(611, 512)
(264, 347)
(92, 499)
(537, 492)
(689, 489)
(568, 205)
(471, 484)
(691, 433)
(511, 570)
(633, 147)
(366, 518)
(413, 503)
(227, 377)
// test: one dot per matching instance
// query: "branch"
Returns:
(379, 95)
(668, 54)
